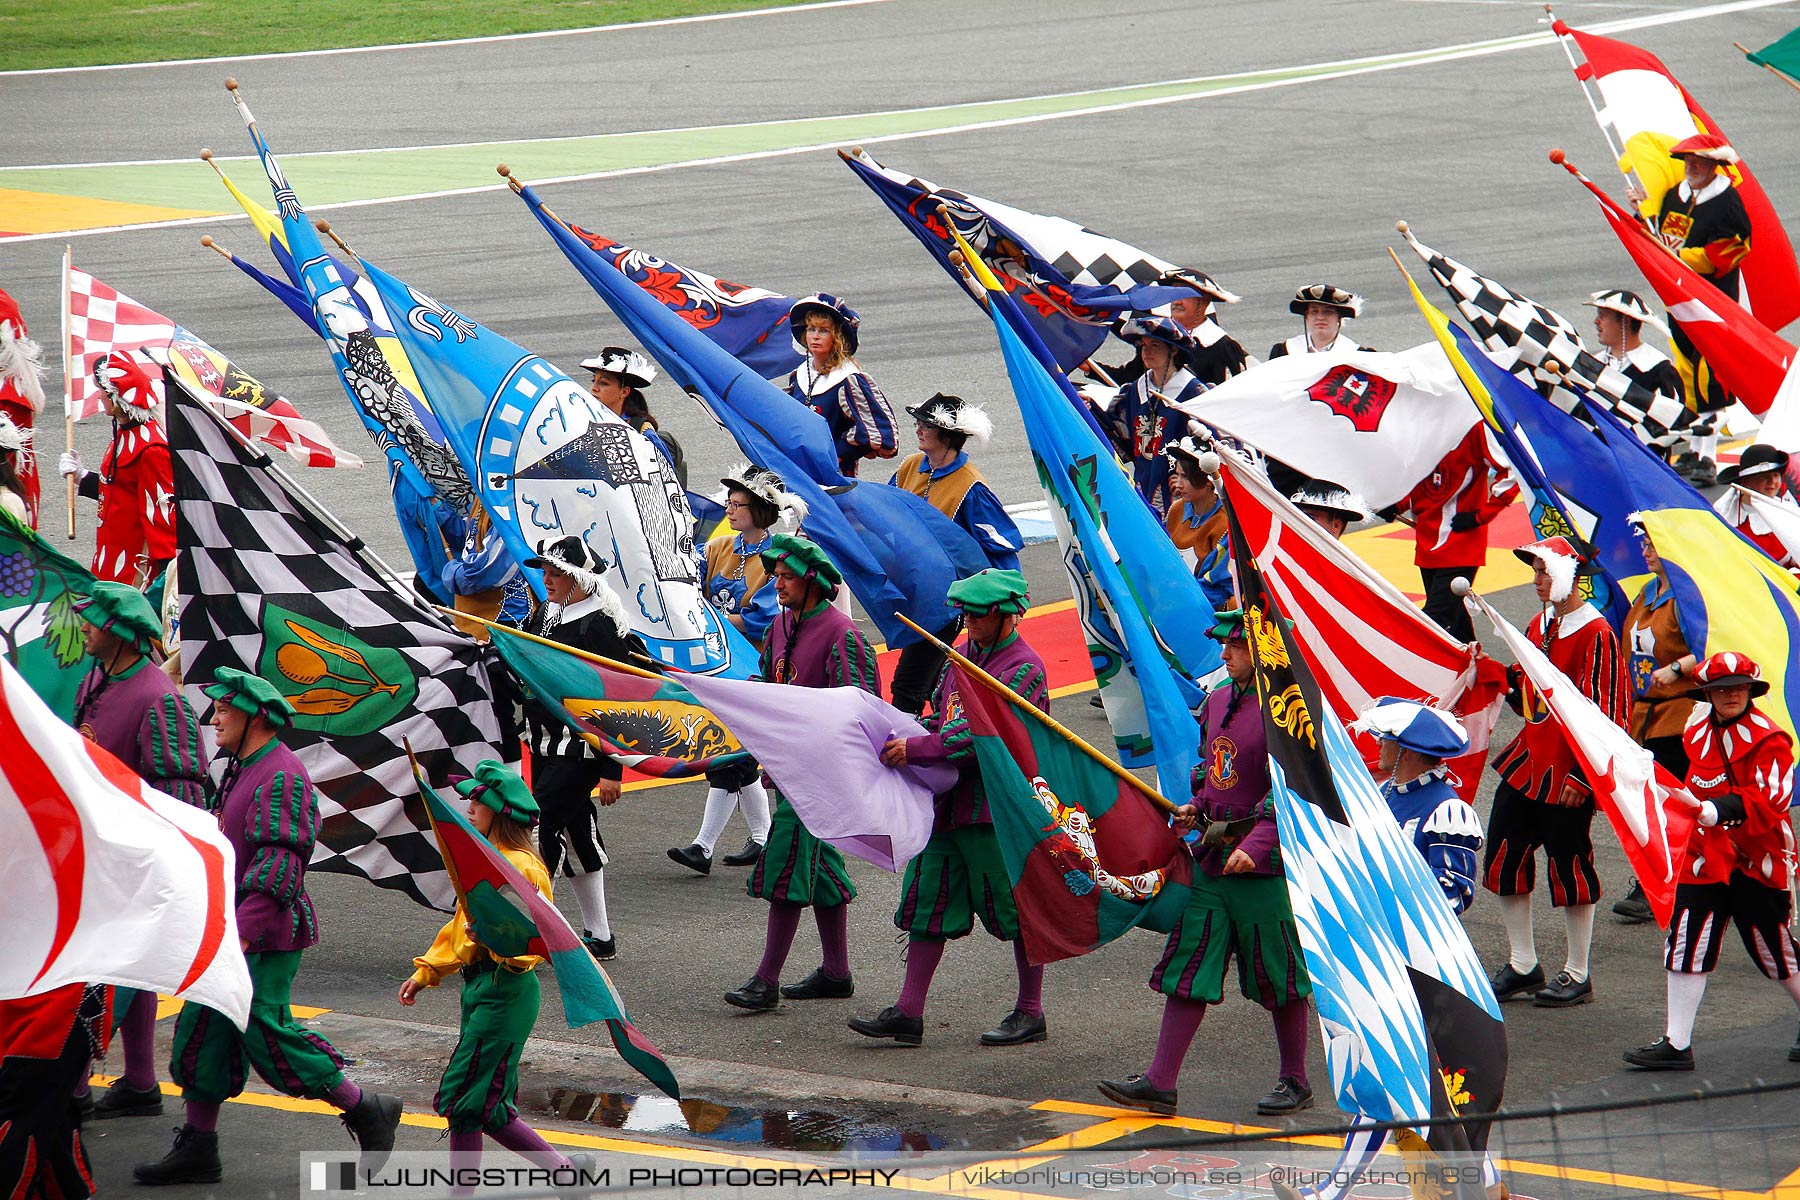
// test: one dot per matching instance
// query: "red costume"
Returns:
(136, 480)
(1451, 509)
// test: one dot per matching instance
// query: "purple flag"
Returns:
(833, 776)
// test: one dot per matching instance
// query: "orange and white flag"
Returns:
(104, 879)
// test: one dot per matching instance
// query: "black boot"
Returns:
(820, 986)
(693, 858)
(1660, 1055)
(746, 857)
(1634, 907)
(123, 1100)
(194, 1158)
(372, 1123)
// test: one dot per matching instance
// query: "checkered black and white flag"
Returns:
(1541, 346)
(267, 587)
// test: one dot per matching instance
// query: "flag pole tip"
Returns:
(231, 85)
(1208, 461)
(206, 240)
(205, 155)
(1401, 226)
(1461, 586)
(503, 169)
(322, 225)
(1558, 157)
(856, 151)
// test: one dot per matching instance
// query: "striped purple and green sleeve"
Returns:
(280, 829)
(169, 744)
(852, 663)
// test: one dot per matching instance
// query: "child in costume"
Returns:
(500, 996)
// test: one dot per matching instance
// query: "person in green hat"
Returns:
(500, 996)
(270, 813)
(1238, 905)
(960, 873)
(811, 644)
(130, 708)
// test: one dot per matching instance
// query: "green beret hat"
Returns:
(501, 790)
(805, 558)
(251, 693)
(1227, 623)
(986, 591)
(123, 611)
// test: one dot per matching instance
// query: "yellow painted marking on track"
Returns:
(1388, 549)
(1642, 1183)
(168, 1006)
(46, 212)
(1787, 1189)
(1050, 1149)
(304, 1012)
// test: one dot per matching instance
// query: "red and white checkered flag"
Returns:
(102, 319)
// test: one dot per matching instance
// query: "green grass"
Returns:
(71, 33)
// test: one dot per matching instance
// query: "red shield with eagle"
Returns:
(1354, 394)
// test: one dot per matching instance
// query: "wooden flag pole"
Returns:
(601, 659)
(1023, 705)
(1781, 75)
(68, 349)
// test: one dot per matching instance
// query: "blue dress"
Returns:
(1142, 427)
(977, 509)
(858, 413)
(737, 584)
(1443, 827)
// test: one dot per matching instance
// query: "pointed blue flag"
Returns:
(282, 290)
(748, 323)
(898, 554)
(428, 488)
(1149, 596)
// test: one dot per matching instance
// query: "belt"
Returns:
(488, 966)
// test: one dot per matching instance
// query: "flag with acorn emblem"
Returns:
(269, 586)
(41, 634)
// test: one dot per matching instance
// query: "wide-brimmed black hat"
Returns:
(1755, 460)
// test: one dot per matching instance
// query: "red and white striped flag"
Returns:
(1650, 809)
(102, 319)
(1363, 638)
(104, 879)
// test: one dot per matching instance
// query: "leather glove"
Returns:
(1462, 522)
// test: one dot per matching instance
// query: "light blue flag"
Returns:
(553, 461)
(898, 554)
(1139, 580)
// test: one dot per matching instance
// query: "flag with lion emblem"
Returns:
(269, 587)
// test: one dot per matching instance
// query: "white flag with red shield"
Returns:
(1376, 423)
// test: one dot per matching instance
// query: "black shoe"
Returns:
(123, 1100)
(1706, 474)
(194, 1158)
(1661, 1055)
(1564, 992)
(1016, 1029)
(693, 858)
(1137, 1092)
(756, 995)
(891, 1023)
(603, 949)
(1288, 1096)
(84, 1106)
(820, 986)
(1634, 907)
(372, 1123)
(1097, 702)
(1794, 1050)
(746, 857)
(1510, 984)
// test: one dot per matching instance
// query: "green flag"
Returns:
(1783, 55)
(41, 634)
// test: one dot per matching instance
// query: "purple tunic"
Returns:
(821, 649)
(269, 811)
(140, 719)
(1232, 780)
(1014, 663)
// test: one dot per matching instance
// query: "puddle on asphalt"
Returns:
(786, 1129)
